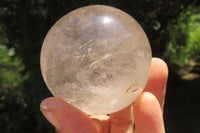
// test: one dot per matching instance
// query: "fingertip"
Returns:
(144, 101)
(48, 103)
(47, 107)
(160, 65)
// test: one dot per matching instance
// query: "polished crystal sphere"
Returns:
(97, 58)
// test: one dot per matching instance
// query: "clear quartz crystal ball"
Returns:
(97, 58)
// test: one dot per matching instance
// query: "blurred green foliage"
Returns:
(24, 24)
(184, 42)
(11, 96)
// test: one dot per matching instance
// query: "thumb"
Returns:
(65, 118)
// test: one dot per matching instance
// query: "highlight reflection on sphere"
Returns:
(97, 58)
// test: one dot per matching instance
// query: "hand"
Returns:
(147, 110)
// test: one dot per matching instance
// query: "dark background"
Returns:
(172, 26)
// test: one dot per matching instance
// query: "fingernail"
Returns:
(51, 117)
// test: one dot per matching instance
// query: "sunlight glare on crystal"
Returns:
(106, 20)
